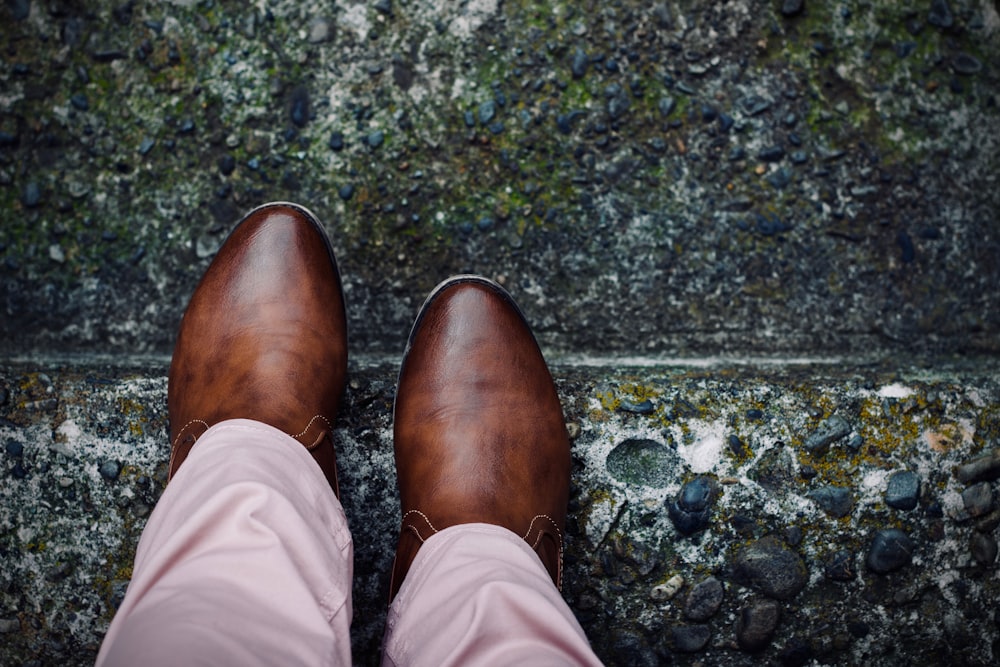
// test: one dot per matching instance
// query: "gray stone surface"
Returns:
(823, 179)
(68, 532)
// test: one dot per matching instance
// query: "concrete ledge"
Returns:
(779, 472)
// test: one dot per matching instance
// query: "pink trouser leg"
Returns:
(246, 560)
(476, 594)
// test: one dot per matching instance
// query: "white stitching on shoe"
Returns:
(309, 425)
(413, 529)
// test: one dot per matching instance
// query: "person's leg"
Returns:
(247, 553)
(483, 462)
(246, 560)
(476, 594)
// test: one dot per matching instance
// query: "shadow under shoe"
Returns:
(264, 337)
(478, 427)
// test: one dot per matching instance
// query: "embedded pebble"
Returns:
(834, 500)
(983, 549)
(642, 461)
(298, 110)
(963, 63)
(982, 468)
(755, 625)
(940, 14)
(579, 64)
(839, 566)
(691, 509)
(890, 550)
(771, 567)
(903, 490)
(704, 600)
(792, 7)
(110, 470)
(829, 431)
(321, 29)
(487, 111)
(668, 589)
(978, 499)
(690, 638)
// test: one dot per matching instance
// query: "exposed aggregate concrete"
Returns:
(797, 584)
(680, 178)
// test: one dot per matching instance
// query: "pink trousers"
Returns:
(247, 560)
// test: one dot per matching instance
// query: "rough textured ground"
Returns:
(793, 179)
(85, 460)
(676, 177)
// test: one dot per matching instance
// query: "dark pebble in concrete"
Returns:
(792, 7)
(690, 638)
(780, 178)
(666, 105)
(963, 63)
(940, 14)
(487, 111)
(336, 142)
(110, 470)
(982, 468)
(829, 431)
(646, 462)
(691, 510)
(19, 9)
(903, 490)
(618, 106)
(769, 566)
(383, 7)
(14, 448)
(346, 191)
(298, 110)
(983, 548)
(375, 139)
(839, 566)
(891, 549)
(771, 154)
(905, 48)
(797, 652)
(755, 625)
(978, 499)
(703, 600)
(754, 104)
(80, 101)
(32, 195)
(836, 501)
(146, 145)
(641, 408)
(579, 64)
(754, 414)
(227, 164)
(907, 253)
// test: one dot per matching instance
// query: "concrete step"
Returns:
(785, 474)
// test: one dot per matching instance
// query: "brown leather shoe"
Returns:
(264, 337)
(479, 431)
